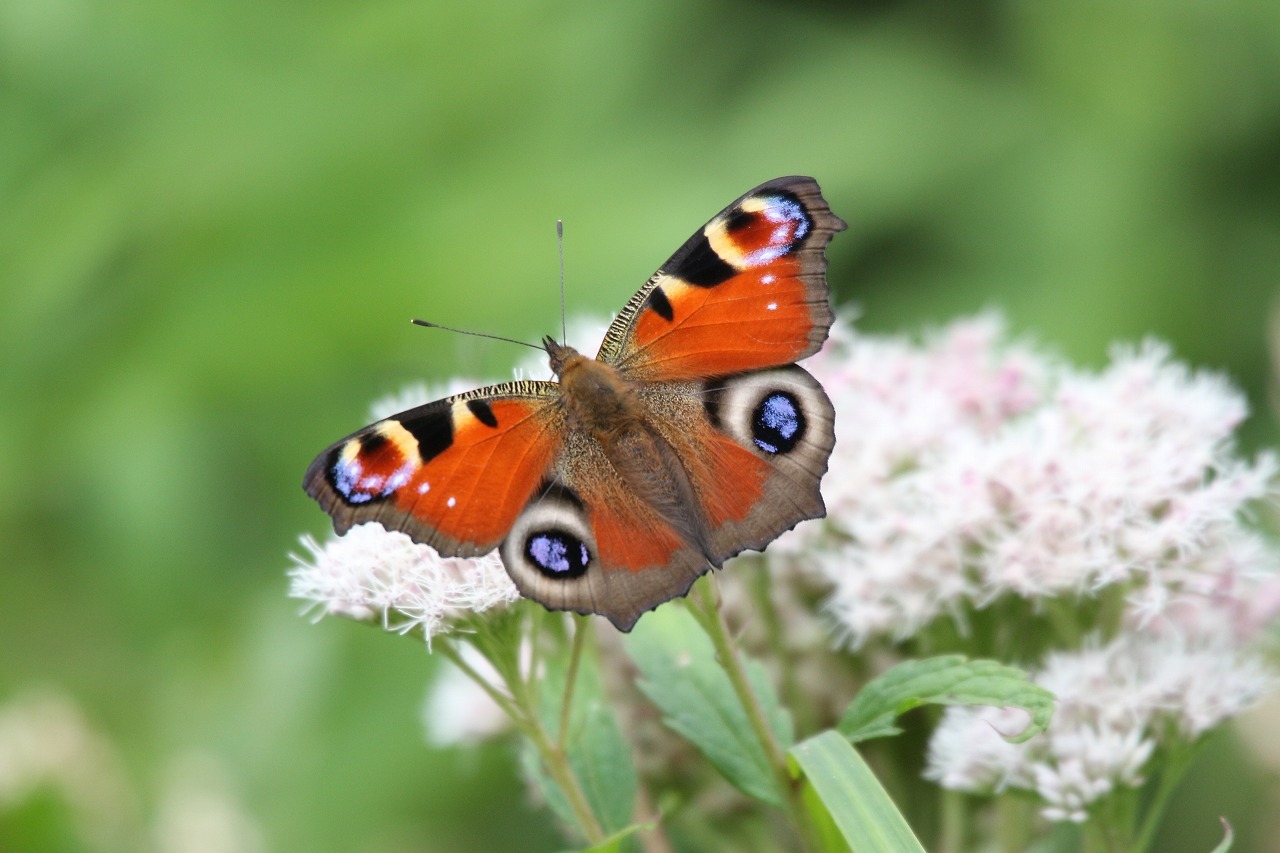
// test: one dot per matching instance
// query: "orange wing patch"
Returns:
(759, 318)
(722, 460)
(632, 538)
(473, 491)
(453, 474)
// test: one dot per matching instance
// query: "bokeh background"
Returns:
(218, 216)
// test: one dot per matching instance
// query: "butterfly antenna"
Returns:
(477, 334)
(564, 331)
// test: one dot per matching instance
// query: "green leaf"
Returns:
(680, 675)
(537, 777)
(945, 680)
(868, 820)
(602, 761)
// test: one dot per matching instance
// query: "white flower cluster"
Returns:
(969, 468)
(1115, 703)
(372, 573)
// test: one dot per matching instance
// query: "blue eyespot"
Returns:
(777, 424)
(558, 554)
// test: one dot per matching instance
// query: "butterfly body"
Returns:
(610, 410)
(691, 437)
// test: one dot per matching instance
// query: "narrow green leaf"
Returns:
(865, 815)
(945, 680)
(680, 675)
(1228, 837)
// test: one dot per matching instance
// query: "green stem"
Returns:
(704, 608)
(1095, 839)
(571, 678)
(1013, 823)
(951, 836)
(523, 711)
(502, 700)
(759, 584)
(1176, 765)
(556, 760)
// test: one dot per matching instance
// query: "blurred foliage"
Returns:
(218, 218)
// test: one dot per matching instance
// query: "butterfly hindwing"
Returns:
(587, 542)
(747, 291)
(769, 433)
(453, 474)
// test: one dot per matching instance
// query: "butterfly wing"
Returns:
(500, 466)
(453, 474)
(702, 343)
(710, 342)
(747, 291)
(755, 446)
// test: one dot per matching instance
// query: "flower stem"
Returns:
(953, 819)
(571, 678)
(1013, 823)
(1176, 765)
(556, 760)
(704, 607)
(523, 712)
(502, 700)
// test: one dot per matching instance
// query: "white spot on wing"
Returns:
(452, 502)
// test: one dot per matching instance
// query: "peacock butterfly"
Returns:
(692, 436)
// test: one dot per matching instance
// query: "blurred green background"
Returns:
(217, 218)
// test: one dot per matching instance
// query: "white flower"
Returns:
(1115, 703)
(968, 752)
(371, 573)
(968, 468)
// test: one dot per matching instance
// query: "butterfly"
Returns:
(690, 437)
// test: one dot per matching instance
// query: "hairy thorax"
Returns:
(596, 398)
(605, 405)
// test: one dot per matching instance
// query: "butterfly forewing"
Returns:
(453, 474)
(748, 290)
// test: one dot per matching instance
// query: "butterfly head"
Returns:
(559, 354)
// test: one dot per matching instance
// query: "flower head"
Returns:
(970, 467)
(1116, 703)
(375, 574)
